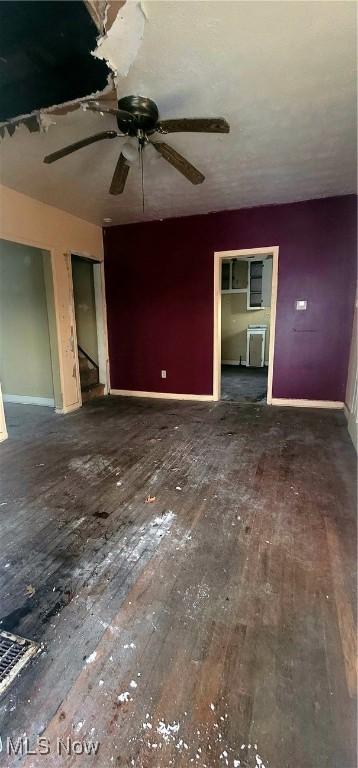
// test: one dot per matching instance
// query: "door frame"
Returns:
(243, 254)
(3, 429)
(101, 320)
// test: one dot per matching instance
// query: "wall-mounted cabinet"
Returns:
(250, 276)
(254, 296)
(259, 283)
(234, 277)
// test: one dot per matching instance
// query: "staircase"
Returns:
(89, 377)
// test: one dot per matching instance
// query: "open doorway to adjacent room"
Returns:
(90, 326)
(245, 311)
(29, 365)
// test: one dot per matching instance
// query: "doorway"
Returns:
(88, 309)
(29, 366)
(245, 294)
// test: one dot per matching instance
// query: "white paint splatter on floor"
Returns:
(168, 730)
(90, 659)
(125, 696)
(209, 748)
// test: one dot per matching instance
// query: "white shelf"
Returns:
(235, 290)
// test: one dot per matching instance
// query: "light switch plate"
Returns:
(164, 374)
(301, 304)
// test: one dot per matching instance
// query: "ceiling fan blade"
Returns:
(79, 144)
(179, 162)
(120, 176)
(120, 113)
(194, 125)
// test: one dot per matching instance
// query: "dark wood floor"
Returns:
(213, 626)
(244, 385)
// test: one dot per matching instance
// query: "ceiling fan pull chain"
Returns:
(142, 169)
(141, 141)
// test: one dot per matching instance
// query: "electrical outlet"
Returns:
(164, 374)
(301, 304)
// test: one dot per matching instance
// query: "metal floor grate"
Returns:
(15, 652)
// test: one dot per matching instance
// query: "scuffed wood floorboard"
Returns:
(224, 610)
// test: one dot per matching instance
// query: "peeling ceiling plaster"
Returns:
(42, 82)
(282, 73)
(120, 45)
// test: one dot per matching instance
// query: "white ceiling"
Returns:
(282, 73)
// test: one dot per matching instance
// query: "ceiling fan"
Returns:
(138, 118)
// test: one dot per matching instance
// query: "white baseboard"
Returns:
(160, 395)
(237, 362)
(68, 408)
(28, 400)
(337, 404)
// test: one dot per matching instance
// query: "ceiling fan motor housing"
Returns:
(144, 111)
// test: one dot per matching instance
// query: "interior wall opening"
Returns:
(245, 298)
(29, 367)
(86, 285)
(245, 327)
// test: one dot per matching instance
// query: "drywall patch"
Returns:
(119, 46)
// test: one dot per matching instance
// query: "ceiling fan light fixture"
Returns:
(138, 119)
(130, 151)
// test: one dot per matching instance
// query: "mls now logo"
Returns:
(43, 746)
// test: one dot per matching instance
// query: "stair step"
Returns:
(89, 377)
(83, 363)
(89, 393)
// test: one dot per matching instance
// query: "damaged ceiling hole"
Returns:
(74, 65)
(46, 56)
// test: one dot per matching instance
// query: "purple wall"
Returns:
(159, 285)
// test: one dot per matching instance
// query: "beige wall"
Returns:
(85, 306)
(234, 321)
(25, 220)
(25, 354)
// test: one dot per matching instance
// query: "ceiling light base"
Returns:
(145, 113)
